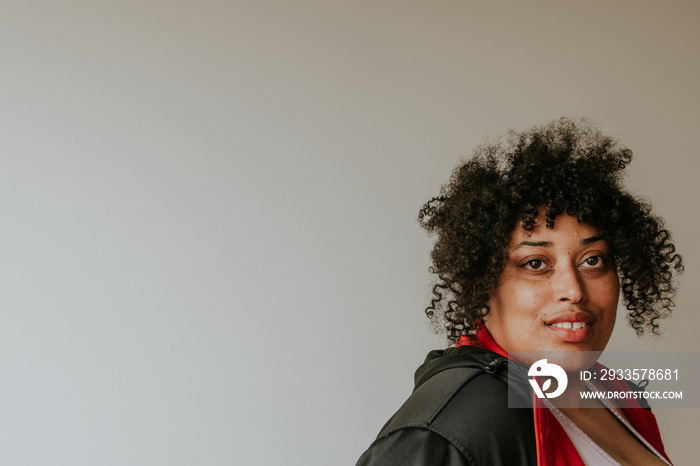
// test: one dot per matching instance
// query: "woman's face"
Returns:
(558, 292)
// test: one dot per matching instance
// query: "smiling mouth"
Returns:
(570, 325)
(572, 332)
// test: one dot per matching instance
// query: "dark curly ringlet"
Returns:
(565, 166)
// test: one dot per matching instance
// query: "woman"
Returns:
(536, 240)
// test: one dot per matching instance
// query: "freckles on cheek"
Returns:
(531, 305)
(526, 297)
(520, 305)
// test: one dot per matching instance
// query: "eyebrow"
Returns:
(591, 240)
(540, 244)
(548, 244)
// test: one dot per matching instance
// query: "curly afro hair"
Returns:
(565, 166)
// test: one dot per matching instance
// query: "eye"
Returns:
(534, 264)
(594, 262)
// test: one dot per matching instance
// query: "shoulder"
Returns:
(414, 446)
(460, 408)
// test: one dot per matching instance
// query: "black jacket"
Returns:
(458, 415)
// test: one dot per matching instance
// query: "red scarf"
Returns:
(554, 447)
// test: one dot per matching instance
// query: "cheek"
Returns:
(518, 302)
(608, 294)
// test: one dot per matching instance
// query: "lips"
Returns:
(572, 327)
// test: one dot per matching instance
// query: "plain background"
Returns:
(210, 253)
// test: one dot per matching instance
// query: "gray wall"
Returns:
(210, 253)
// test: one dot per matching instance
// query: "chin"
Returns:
(569, 356)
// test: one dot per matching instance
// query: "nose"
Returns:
(569, 284)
